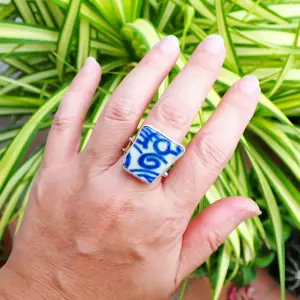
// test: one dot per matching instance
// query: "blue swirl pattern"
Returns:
(151, 154)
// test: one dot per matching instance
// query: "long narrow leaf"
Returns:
(231, 57)
(222, 269)
(274, 215)
(287, 66)
(84, 43)
(65, 37)
(20, 143)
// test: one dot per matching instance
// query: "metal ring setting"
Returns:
(151, 154)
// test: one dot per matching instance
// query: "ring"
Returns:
(151, 154)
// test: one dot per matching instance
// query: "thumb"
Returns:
(210, 229)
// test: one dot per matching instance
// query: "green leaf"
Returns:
(265, 260)
(65, 37)
(246, 276)
(25, 11)
(19, 64)
(20, 143)
(274, 216)
(17, 177)
(202, 8)
(27, 81)
(132, 9)
(6, 135)
(17, 49)
(108, 9)
(142, 36)
(56, 13)
(10, 84)
(264, 37)
(165, 15)
(231, 57)
(287, 66)
(108, 49)
(183, 289)
(95, 19)
(189, 13)
(222, 269)
(261, 11)
(285, 190)
(47, 17)
(21, 33)
(279, 142)
(17, 194)
(83, 43)
(20, 101)
(7, 11)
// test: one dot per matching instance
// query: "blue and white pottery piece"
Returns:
(151, 154)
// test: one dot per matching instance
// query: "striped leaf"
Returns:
(83, 43)
(287, 66)
(165, 15)
(222, 269)
(231, 57)
(45, 13)
(274, 215)
(65, 37)
(283, 187)
(20, 143)
(17, 195)
(25, 11)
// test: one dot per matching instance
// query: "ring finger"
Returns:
(178, 106)
(212, 147)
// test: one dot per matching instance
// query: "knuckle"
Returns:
(172, 115)
(121, 108)
(214, 240)
(93, 154)
(78, 91)
(237, 101)
(155, 60)
(166, 230)
(62, 123)
(207, 64)
(210, 155)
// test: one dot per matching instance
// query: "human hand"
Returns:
(93, 231)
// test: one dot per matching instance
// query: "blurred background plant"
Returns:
(44, 42)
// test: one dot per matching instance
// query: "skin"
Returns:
(93, 231)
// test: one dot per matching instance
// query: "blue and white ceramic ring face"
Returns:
(151, 154)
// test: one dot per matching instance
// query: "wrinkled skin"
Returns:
(91, 230)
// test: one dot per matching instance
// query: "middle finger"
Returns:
(178, 106)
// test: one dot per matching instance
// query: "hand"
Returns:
(93, 231)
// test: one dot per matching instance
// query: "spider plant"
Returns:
(44, 42)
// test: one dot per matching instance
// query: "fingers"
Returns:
(211, 148)
(126, 106)
(65, 134)
(178, 106)
(209, 230)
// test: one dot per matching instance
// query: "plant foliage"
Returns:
(44, 42)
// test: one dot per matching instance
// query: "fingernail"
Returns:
(249, 211)
(169, 44)
(213, 43)
(255, 209)
(89, 64)
(249, 85)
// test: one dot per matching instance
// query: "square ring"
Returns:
(151, 154)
